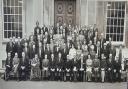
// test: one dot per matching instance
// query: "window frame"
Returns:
(5, 40)
(106, 9)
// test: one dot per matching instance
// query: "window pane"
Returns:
(12, 10)
(108, 13)
(107, 30)
(115, 30)
(112, 21)
(111, 29)
(20, 2)
(16, 10)
(16, 18)
(20, 18)
(8, 11)
(17, 35)
(9, 26)
(16, 2)
(20, 34)
(9, 34)
(119, 22)
(119, 5)
(8, 2)
(5, 18)
(15, 26)
(114, 37)
(118, 30)
(123, 5)
(20, 10)
(119, 13)
(118, 37)
(5, 26)
(122, 29)
(5, 10)
(5, 34)
(20, 27)
(122, 21)
(13, 33)
(112, 13)
(123, 13)
(12, 2)
(4, 2)
(115, 21)
(121, 37)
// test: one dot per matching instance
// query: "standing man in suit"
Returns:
(113, 52)
(9, 47)
(102, 41)
(109, 46)
(19, 47)
(37, 30)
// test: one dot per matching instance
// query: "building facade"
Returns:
(18, 17)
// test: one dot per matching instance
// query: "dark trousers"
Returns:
(7, 73)
(110, 76)
(81, 76)
(117, 76)
(52, 75)
(23, 74)
(96, 75)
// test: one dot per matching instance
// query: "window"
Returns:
(115, 21)
(12, 11)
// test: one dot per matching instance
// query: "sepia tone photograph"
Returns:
(63, 44)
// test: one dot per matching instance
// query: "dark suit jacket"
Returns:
(102, 42)
(19, 49)
(52, 64)
(9, 47)
(35, 30)
(24, 62)
(9, 62)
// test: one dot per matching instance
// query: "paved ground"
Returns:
(59, 85)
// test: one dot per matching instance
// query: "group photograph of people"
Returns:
(64, 53)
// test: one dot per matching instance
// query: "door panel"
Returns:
(65, 11)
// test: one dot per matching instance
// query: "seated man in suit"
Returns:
(60, 71)
(8, 66)
(117, 70)
(75, 69)
(52, 67)
(45, 67)
(23, 67)
(69, 69)
(110, 68)
(96, 68)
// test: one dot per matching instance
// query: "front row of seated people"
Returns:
(71, 69)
